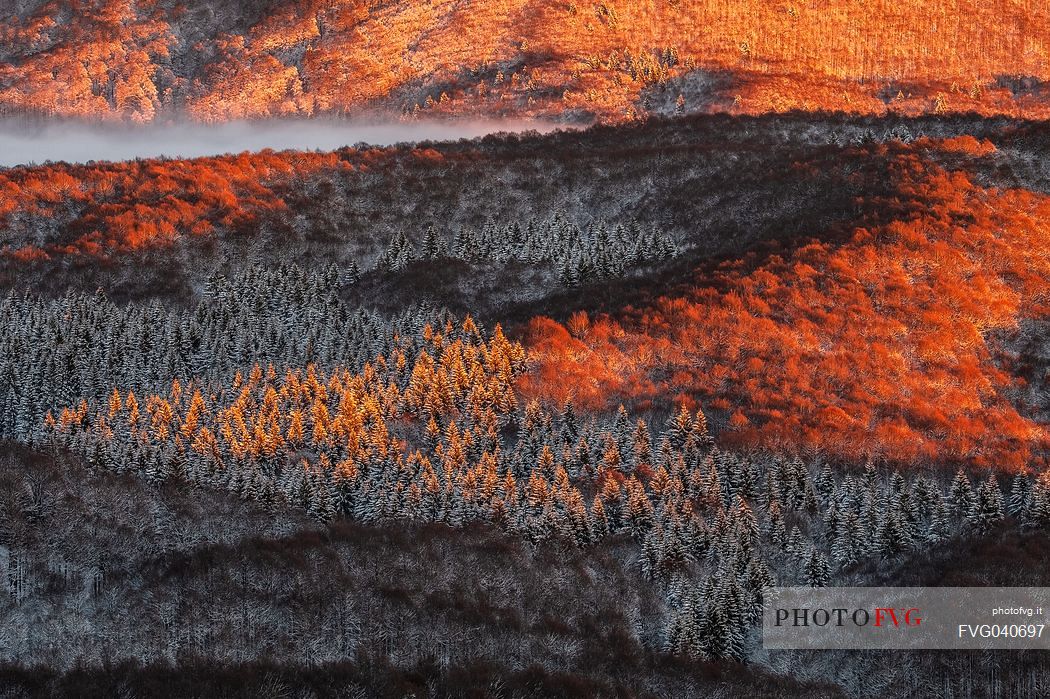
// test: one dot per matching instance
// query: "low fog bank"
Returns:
(80, 143)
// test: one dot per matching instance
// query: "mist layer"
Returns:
(80, 143)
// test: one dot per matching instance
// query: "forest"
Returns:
(274, 392)
(289, 400)
(533, 414)
(331, 421)
(612, 61)
(904, 249)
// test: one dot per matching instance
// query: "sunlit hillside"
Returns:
(856, 327)
(879, 347)
(610, 60)
(520, 349)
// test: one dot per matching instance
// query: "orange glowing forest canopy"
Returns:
(884, 344)
(882, 347)
(211, 60)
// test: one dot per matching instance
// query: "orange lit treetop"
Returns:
(613, 59)
(881, 342)
(880, 347)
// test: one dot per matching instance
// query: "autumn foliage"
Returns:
(103, 209)
(300, 412)
(110, 208)
(883, 341)
(882, 346)
(611, 59)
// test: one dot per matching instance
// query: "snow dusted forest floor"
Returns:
(131, 589)
(205, 595)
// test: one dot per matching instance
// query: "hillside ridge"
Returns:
(615, 60)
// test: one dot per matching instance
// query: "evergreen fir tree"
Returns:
(987, 506)
(961, 494)
(825, 483)
(599, 522)
(1020, 492)
(429, 248)
(847, 546)
(817, 572)
(353, 274)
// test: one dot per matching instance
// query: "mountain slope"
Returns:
(211, 61)
(104, 574)
(869, 300)
(882, 346)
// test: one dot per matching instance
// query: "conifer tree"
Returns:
(1039, 502)
(825, 483)
(817, 571)
(775, 528)
(678, 428)
(987, 505)
(1020, 493)
(847, 547)
(429, 248)
(599, 521)
(961, 493)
